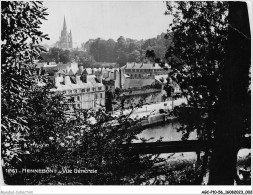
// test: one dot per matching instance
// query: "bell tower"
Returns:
(65, 40)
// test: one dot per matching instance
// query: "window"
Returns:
(75, 91)
(78, 106)
(101, 95)
(72, 99)
(106, 87)
(96, 96)
(83, 90)
(78, 98)
(93, 89)
(63, 92)
(69, 91)
(88, 90)
(99, 88)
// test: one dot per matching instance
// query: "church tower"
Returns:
(70, 40)
(65, 40)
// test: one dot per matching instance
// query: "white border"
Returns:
(119, 189)
(5, 189)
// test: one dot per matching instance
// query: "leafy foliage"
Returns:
(20, 47)
(58, 55)
(197, 57)
(125, 49)
(92, 141)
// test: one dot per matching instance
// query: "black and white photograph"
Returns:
(126, 93)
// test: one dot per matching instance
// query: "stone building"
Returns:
(85, 91)
(143, 70)
(65, 40)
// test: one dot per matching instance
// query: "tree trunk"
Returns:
(231, 104)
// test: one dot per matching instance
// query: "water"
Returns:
(167, 131)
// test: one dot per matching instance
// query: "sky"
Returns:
(105, 19)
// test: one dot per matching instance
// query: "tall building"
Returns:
(65, 40)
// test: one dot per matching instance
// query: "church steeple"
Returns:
(64, 24)
(65, 40)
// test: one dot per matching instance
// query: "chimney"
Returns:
(84, 76)
(108, 74)
(98, 76)
(120, 77)
(111, 75)
(115, 74)
(78, 79)
(66, 80)
(80, 69)
(58, 81)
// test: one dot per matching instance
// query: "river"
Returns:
(169, 133)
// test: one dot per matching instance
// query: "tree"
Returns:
(82, 58)
(98, 50)
(234, 102)
(20, 47)
(198, 60)
(134, 56)
(121, 50)
(54, 54)
(86, 46)
(65, 56)
(110, 56)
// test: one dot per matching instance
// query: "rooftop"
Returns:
(135, 65)
(138, 83)
(73, 82)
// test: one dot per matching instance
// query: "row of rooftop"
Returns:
(87, 86)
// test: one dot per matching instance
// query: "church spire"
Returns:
(65, 40)
(64, 24)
